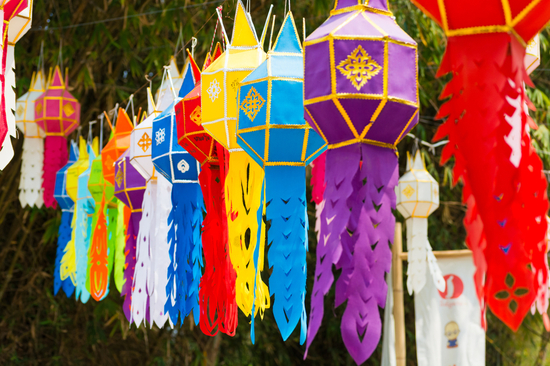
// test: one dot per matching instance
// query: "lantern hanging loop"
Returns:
(115, 114)
(78, 133)
(271, 36)
(220, 18)
(131, 101)
(194, 42)
(60, 55)
(101, 117)
(89, 139)
(172, 88)
(266, 26)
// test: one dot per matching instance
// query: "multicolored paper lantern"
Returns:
(504, 186)
(361, 95)
(243, 189)
(182, 170)
(16, 16)
(217, 293)
(66, 204)
(129, 189)
(30, 184)
(271, 128)
(417, 198)
(57, 113)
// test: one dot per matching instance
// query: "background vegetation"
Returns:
(109, 45)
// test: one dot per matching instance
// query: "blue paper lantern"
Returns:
(272, 130)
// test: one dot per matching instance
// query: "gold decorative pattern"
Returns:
(359, 67)
(68, 109)
(145, 142)
(196, 116)
(20, 111)
(408, 191)
(119, 178)
(38, 108)
(252, 104)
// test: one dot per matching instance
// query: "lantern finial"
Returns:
(244, 34)
(288, 40)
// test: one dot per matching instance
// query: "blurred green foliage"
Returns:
(108, 46)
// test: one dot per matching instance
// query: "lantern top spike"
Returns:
(194, 67)
(57, 79)
(37, 82)
(244, 33)
(288, 40)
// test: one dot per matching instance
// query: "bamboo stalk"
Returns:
(442, 254)
(398, 304)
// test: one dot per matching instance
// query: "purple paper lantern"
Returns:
(129, 188)
(361, 95)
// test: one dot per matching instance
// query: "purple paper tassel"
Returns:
(130, 251)
(357, 229)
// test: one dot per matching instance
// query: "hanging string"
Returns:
(90, 133)
(180, 40)
(271, 36)
(41, 58)
(214, 36)
(431, 147)
(194, 42)
(131, 101)
(102, 119)
(60, 55)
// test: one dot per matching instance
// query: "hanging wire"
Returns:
(101, 117)
(90, 133)
(431, 147)
(131, 101)
(60, 55)
(194, 42)
(41, 58)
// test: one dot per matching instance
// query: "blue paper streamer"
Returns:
(287, 246)
(62, 240)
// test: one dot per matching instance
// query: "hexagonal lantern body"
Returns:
(417, 192)
(221, 79)
(270, 123)
(141, 144)
(129, 184)
(24, 113)
(360, 76)
(57, 112)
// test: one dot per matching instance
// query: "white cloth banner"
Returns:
(448, 324)
(388, 340)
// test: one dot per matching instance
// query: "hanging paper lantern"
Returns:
(417, 198)
(243, 188)
(129, 189)
(69, 261)
(185, 221)
(152, 249)
(17, 15)
(85, 207)
(361, 95)
(504, 186)
(30, 184)
(119, 143)
(57, 112)
(272, 130)
(66, 204)
(102, 248)
(217, 288)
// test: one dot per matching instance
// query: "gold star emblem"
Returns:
(68, 109)
(196, 116)
(408, 191)
(145, 142)
(359, 67)
(252, 104)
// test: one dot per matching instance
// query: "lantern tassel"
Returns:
(188, 208)
(80, 233)
(123, 219)
(502, 174)
(30, 184)
(62, 241)
(287, 213)
(217, 289)
(161, 250)
(130, 263)
(56, 156)
(420, 254)
(98, 264)
(173, 290)
(142, 286)
(243, 190)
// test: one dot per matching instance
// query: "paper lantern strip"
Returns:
(57, 113)
(30, 185)
(417, 198)
(129, 188)
(272, 130)
(16, 16)
(182, 170)
(243, 191)
(217, 288)
(504, 186)
(64, 234)
(361, 95)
